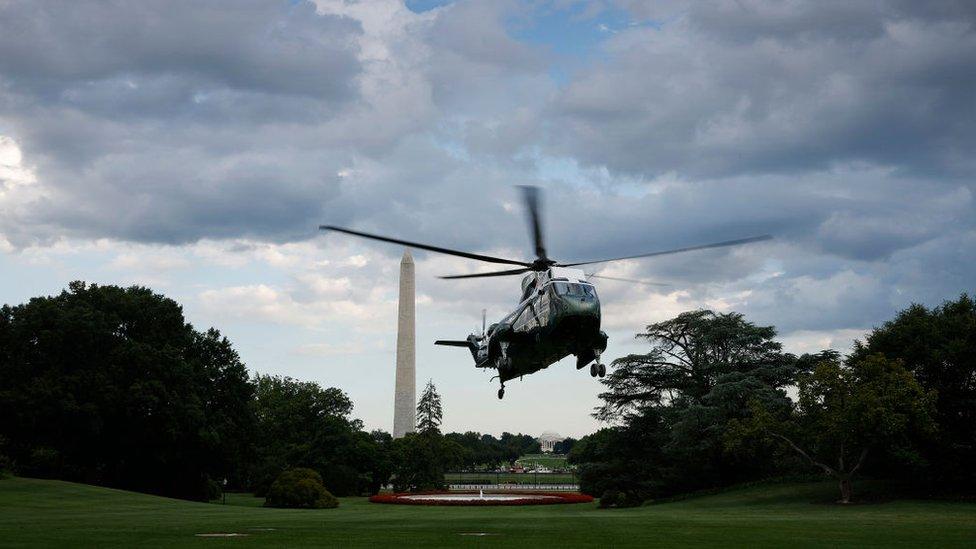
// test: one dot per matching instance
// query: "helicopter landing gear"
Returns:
(596, 368)
(503, 361)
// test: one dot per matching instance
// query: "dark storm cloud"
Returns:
(170, 122)
(845, 129)
(173, 121)
(276, 47)
(728, 88)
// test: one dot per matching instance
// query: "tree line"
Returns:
(111, 386)
(715, 401)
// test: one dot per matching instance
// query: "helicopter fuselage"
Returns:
(558, 316)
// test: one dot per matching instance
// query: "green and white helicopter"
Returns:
(558, 312)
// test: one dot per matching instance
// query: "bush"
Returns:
(300, 488)
(617, 499)
(214, 490)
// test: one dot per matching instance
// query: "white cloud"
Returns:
(814, 341)
(12, 170)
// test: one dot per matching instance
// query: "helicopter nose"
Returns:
(579, 304)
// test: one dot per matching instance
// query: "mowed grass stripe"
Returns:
(53, 513)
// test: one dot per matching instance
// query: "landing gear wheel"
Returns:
(594, 371)
(501, 393)
(602, 370)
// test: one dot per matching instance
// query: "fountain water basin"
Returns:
(481, 498)
(476, 497)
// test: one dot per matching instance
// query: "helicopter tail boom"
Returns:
(452, 343)
(473, 344)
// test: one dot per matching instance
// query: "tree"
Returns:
(692, 355)
(673, 405)
(429, 412)
(379, 460)
(421, 460)
(301, 424)
(938, 346)
(476, 453)
(564, 446)
(514, 446)
(845, 412)
(112, 386)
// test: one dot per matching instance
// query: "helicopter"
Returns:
(558, 312)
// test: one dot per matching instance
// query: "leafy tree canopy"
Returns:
(938, 346)
(672, 406)
(696, 358)
(845, 412)
(112, 386)
(301, 424)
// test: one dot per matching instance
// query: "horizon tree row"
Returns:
(111, 386)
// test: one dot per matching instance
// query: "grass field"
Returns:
(54, 513)
(552, 462)
(509, 478)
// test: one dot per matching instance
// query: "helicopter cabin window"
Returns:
(527, 292)
(526, 320)
(575, 290)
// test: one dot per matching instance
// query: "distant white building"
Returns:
(548, 441)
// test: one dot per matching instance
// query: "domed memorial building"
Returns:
(548, 441)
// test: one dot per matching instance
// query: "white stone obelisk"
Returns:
(405, 398)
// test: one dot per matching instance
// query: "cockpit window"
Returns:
(575, 290)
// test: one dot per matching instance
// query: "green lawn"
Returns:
(552, 462)
(510, 478)
(53, 513)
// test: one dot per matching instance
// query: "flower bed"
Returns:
(475, 499)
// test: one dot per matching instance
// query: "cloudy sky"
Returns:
(193, 147)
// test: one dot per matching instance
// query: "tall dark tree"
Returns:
(429, 411)
(421, 459)
(112, 386)
(301, 424)
(696, 357)
(844, 413)
(673, 405)
(938, 346)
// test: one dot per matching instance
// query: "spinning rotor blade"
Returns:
(635, 281)
(427, 247)
(482, 275)
(531, 196)
(675, 251)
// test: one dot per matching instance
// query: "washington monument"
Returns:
(405, 399)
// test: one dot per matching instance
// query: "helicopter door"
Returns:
(542, 308)
(529, 317)
(523, 322)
